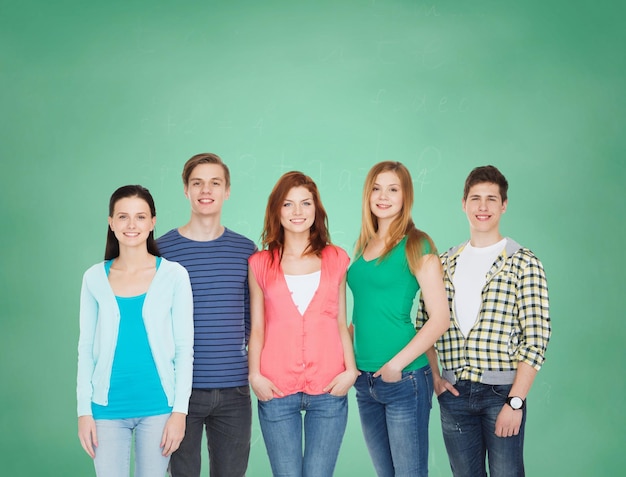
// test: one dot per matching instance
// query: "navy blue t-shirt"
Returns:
(218, 270)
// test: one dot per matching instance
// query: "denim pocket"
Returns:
(502, 390)
(430, 387)
(406, 376)
(243, 390)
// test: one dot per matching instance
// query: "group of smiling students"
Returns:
(174, 332)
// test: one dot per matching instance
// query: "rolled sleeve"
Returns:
(534, 314)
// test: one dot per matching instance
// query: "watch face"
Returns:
(516, 402)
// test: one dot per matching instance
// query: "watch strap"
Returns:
(508, 401)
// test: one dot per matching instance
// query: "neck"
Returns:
(296, 244)
(131, 258)
(383, 230)
(202, 229)
(485, 240)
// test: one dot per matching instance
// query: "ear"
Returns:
(504, 205)
(153, 223)
(110, 220)
(227, 193)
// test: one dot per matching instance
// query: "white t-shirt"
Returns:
(302, 288)
(469, 279)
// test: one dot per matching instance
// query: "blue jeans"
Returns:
(227, 416)
(394, 419)
(325, 422)
(469, 422)
(115, 438)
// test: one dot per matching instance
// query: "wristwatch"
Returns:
(516, 402)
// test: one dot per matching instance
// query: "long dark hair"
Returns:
(112, 249)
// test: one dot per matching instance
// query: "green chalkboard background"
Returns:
(94, 95)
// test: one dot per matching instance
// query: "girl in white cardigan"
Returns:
(135, 351)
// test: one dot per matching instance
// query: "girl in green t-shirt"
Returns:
(393, 261)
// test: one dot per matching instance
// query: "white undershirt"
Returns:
(469, 279)
(302, 288)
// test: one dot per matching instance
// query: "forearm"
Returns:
(524, 378)
(345, 332)
(255, 345)
(421, 342)
(348, 351)
(435, 302)
(183, 330)
(534, 314)
(433, 360)
(257, 326)
(86, 360)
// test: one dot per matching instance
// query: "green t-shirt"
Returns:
(383, 292)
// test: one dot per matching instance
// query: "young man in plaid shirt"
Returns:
(496, 343)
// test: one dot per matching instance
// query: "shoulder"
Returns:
(417, 239)
(260, 265)
(427, 245)
(342, 260)
(453, 251)
(168, 243)
(524, 258)
(94, 272)
(95, 267)
(172, 267)
(238, 239)
(514, 249)
(334, 251)
(95, 278)
(170, 235)
(336, 255)
(262, 256)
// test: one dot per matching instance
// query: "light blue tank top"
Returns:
(135, 387)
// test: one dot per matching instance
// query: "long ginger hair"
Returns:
(273, 235)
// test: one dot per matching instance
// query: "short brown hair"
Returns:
(204, 158)
(489, 174)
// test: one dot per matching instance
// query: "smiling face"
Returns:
(207, 189)
(484, 208)
(386, 199)
(132, 221)
(297, 213)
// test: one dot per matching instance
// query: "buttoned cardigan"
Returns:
(301, 352)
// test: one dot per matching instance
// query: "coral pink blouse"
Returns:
(301, 353)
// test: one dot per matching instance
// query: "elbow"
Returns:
(447, 322)
(443, 324)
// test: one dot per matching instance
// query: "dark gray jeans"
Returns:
(226, 414)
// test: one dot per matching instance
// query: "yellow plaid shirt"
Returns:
(513, 323)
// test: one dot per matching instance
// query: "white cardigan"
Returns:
(168, 318)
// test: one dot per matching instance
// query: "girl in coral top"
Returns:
(300, 352)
